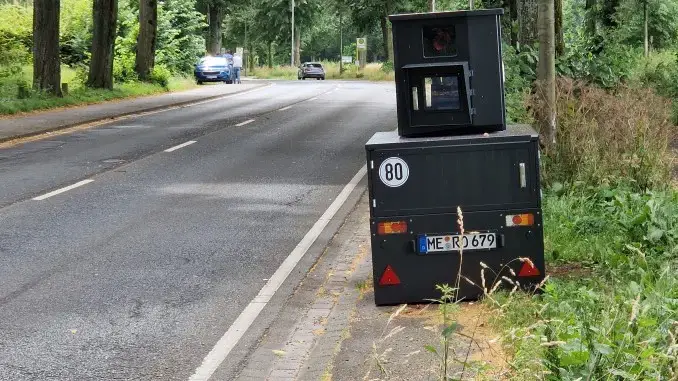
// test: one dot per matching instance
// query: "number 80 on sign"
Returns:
(394, 172)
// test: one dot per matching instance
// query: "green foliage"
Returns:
(161, 75)
(76, 32)
(607, 63)
(663, 22)
(517, 70)
(610, 312)
(179, 42)
(660, 71)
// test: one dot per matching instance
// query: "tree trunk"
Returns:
(590, 17)
(513, 22)
(546, 74)
(105, 17)
(560, 39)
(270, 55)
(341, 45)
(431, 5)
(214, 35)
(46, 64)
(645, 29)
(527, 20)
(387, 38)
(384, 36)
(297, 46)
(148, 28)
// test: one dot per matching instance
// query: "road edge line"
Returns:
(242, 323)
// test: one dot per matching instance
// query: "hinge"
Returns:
(470, 73)
(371, 164)
(374, 202)
(473, 111)
(473, 92)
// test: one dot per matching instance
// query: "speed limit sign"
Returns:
(394, 172)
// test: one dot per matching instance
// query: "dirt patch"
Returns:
(484, 351)
(570, 270)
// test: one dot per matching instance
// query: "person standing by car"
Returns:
(237, 66)
(229, 58)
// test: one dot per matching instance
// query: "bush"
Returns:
(161, 75)
(517, 69)
(609, 137)
(660, 71)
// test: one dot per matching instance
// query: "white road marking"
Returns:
(314, 98)
(182, 145)
(285, 108)
(62, 190)
(244, 123)
(235, 332)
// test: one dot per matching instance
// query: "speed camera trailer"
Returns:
(448, 72)
(452, 155)
(415, 186)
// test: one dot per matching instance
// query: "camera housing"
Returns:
(449, 72)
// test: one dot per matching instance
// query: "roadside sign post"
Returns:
(452, 156)
(361, 47)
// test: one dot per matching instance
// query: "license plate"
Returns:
(442, 243)
(210, 76)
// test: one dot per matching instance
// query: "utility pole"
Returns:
(292, 51)
(470, 4)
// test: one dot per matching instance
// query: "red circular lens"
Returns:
(517, 220)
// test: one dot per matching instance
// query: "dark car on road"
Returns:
(213, 69)
(311, 70)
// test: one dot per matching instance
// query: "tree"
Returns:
(105, 17)
(148, 29)
(215, 11)
(560, 38)
(46, 65)
(527, 20)
(546, 73)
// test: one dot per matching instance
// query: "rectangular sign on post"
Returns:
(361, 43)
(346, 59)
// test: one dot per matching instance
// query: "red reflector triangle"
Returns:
(389, 277)
(528, 270)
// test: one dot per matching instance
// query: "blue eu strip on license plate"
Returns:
(443, 243)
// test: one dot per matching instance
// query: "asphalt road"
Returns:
(137, 274)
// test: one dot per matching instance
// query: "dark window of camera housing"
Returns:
(439, 41)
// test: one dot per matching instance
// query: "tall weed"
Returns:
(609, 136)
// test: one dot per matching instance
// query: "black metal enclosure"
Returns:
(448, 72)
(415, 187)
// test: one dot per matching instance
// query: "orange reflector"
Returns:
(392, 227)
(389, 277)
(528, 270)
(526, 219)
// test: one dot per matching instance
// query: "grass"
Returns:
(372, 72)
(78, 94)
(610, 309)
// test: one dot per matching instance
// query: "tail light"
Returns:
(526, 219)
(392, 227)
